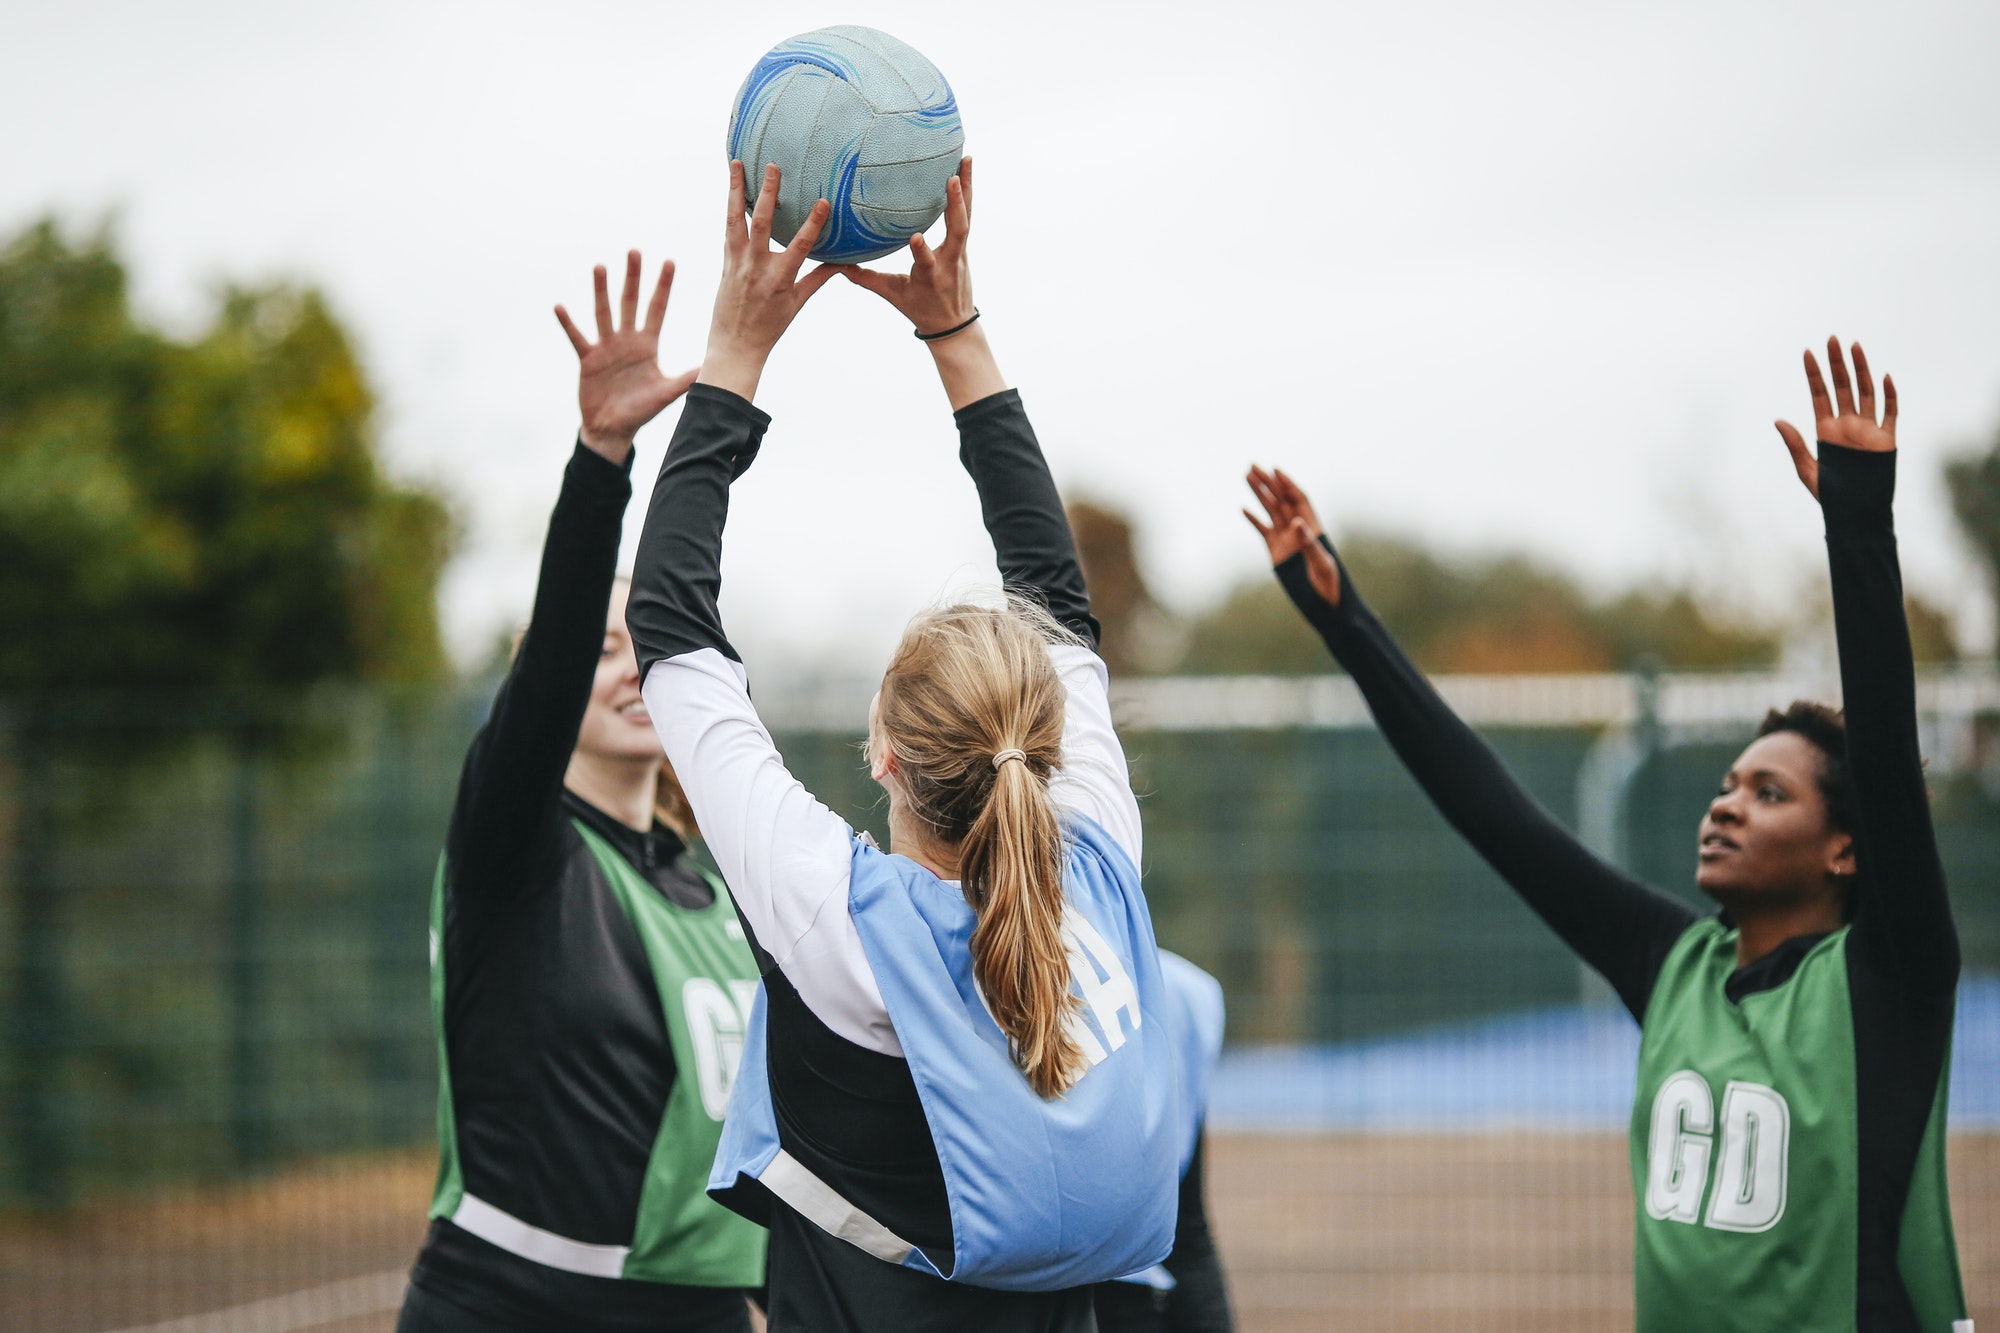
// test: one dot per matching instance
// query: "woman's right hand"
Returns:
(761, 290)
(1841, 420)
(1293, 528)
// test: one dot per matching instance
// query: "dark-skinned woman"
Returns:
(1788, 1129)
(589, 984)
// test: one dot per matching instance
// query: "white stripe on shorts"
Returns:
(817, 1202)
(513, 1235)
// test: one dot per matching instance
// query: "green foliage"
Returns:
(1498, 615)
(1974, 484)
(196, 513)
(1138, 634)
(1255, 631)
(1933, 630)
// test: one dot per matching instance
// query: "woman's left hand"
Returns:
(936, 294)
(619, 384)
(1844, 420)
(1293, 527)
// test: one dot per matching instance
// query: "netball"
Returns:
(857, 118)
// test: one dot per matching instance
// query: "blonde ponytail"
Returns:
(972, 709)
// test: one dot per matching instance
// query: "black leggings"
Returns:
(427, 1312)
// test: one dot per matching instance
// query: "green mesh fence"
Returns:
(213, 953)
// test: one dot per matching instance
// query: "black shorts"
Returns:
(428, 1312)
(1130, 1307)
(820, 1284)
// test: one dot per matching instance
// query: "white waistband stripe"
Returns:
(513, 1235)
(816, 1201)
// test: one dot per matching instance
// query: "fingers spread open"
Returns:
(603, 299)
(1267, 495)
(808, 236)
(1803, 461)
(1843, 390)
(576, 338)
(656, 313)
(965, 184)
(1263, 529)
(1822, 405)
(628, 296)
(1864, 383)
(1889, 403)
(767, 204)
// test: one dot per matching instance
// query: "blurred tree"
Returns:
(1254, 631)
(1139, 634)
(1974, 484)
(1501, 614)
(196, 513)
(1933, 630)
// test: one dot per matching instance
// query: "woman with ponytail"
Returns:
(958, 1100)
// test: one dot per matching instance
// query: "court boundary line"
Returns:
(309, 1307)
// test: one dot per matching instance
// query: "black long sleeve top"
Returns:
(559, 1056)
(1902, 954)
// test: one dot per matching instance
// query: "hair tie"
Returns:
(1005, 755)
(923, 337)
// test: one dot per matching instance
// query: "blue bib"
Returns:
(1044, 1194)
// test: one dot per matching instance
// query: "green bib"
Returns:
(706, 979)
(1745, 1156)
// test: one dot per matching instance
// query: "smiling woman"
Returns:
(588, 982)
(617, 765)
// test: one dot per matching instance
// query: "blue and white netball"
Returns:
(857, 118)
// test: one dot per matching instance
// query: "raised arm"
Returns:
(510, 787)
(1902, 926)
(784, 855)
(1619, 926)
(508, 793)
(1023, 512)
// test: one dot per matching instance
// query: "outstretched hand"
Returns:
(1293, 528)
(936, 294)
(761, 291)
(619, 384)
(1844, 421)
(936, 297)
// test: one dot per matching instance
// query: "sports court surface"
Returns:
(1470, 1176)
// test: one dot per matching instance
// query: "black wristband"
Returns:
(956, 328)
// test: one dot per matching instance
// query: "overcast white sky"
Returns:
(1534, 274)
